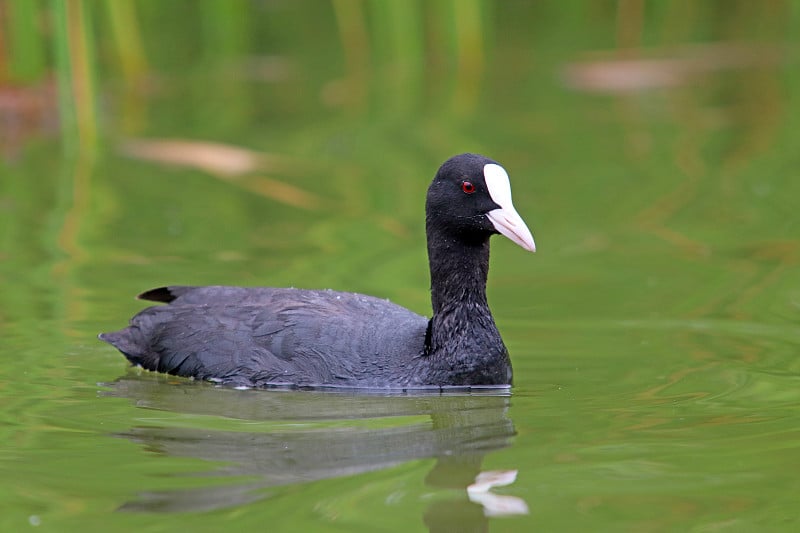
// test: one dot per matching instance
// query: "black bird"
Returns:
(269, 337)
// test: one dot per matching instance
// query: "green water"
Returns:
(655, 335)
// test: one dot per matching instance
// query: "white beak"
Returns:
(506, 220)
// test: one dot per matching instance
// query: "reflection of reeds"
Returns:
(412, 48)
(128, 43)
(26, 58)
(75, 74)
(395, 55)
(355, 46)
(72, 41)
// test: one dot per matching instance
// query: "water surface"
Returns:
(655, 335)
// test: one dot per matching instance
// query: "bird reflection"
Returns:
(457, 430)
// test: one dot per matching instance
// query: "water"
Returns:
(654, 335)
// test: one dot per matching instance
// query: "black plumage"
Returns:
(263, 337)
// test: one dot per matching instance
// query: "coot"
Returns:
(268, 337)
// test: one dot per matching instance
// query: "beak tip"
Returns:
(525, 242)
(508, 223)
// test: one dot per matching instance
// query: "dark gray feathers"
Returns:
(266, 336)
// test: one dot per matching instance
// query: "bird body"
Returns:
(268, 337)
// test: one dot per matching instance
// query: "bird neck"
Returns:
(458, 274)
(462, 343)
(459, 270)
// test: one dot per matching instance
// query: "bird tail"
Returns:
(124, 341)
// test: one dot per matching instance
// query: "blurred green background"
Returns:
(653, 151)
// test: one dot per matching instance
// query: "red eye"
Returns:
(467, 187)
